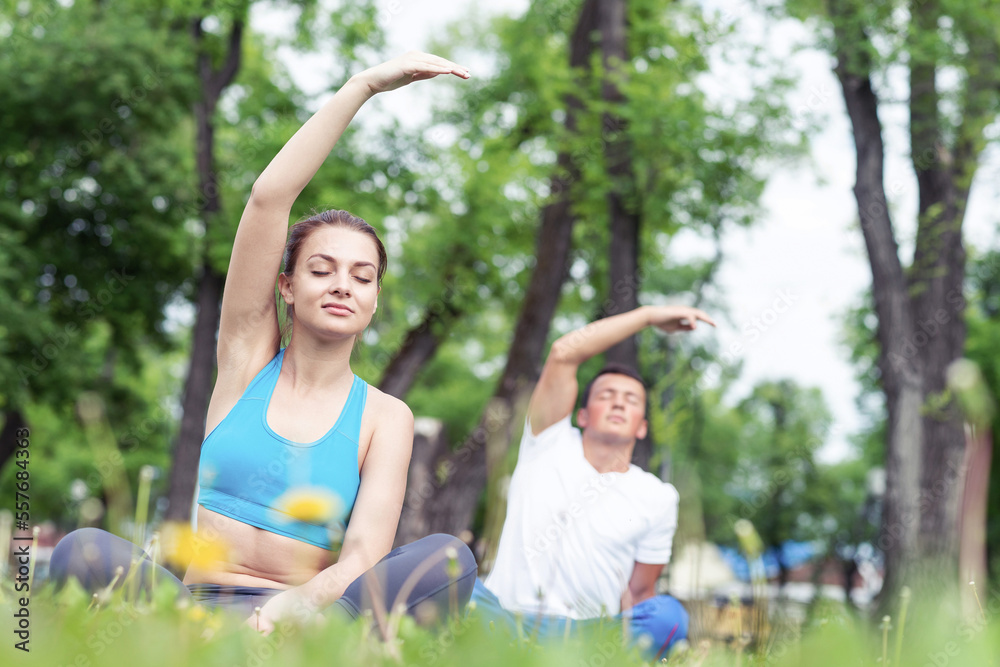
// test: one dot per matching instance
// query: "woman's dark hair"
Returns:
(300, 231)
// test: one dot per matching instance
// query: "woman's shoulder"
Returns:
(386, 414)
(387, 427)
(385, 406)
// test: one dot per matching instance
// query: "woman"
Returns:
(290, 420)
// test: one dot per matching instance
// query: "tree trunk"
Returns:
(900, 370)
(429, 443)
(452, 507)
(198, 386)
(13, 422)
(623, 206)
(921, 316)
(938, 271)
(197, 391)
(419, 346)
(623, 215)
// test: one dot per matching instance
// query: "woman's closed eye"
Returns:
(360, 279)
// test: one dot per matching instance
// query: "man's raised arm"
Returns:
(555, 394)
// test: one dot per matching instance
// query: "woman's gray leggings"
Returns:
(92, 555)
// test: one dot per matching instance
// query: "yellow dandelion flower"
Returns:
(311, 504)
(184, 547)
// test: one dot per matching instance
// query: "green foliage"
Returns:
(784, 428)
(72, 463)
(756, 461)
(94, 115)
(87, 192)
(695, 164)
(453, 387)
(160, 632)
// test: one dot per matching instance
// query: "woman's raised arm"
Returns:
(249, 321)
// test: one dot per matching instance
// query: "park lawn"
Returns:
(68, 629)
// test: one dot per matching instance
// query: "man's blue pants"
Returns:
(661, 619)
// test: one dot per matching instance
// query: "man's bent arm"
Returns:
(555, 394)
(642, 585)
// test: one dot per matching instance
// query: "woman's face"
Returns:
(334, 289)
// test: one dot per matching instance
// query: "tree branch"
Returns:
(979, 100)
(419, 346)
(224, 76)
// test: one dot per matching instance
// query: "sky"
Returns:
(788, 279)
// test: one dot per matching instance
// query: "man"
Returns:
(587, 534)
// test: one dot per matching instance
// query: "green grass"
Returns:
(67, 629)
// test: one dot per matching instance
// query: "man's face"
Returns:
(616, 409)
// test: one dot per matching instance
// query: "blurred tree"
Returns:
(680, 178)
(860, 336)
(217, 62)
(921, 328)
(981, 318)
(784, 428)
(757, 460)
(94, 109)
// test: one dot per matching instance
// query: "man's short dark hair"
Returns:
(617, 369)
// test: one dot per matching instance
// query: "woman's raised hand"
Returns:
(412, 66)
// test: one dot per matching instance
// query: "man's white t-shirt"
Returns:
(572, 535)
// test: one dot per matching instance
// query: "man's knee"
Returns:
(663, 618)
(672, 611)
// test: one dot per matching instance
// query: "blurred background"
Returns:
(605, 154)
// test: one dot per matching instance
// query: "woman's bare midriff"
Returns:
(256, 557)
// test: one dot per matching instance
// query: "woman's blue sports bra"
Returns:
(246, 468)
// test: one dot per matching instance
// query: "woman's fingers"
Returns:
(410, 67)
(443, 62)
(434, 70)
(439, 64)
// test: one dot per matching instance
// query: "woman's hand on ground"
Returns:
(410, 67)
